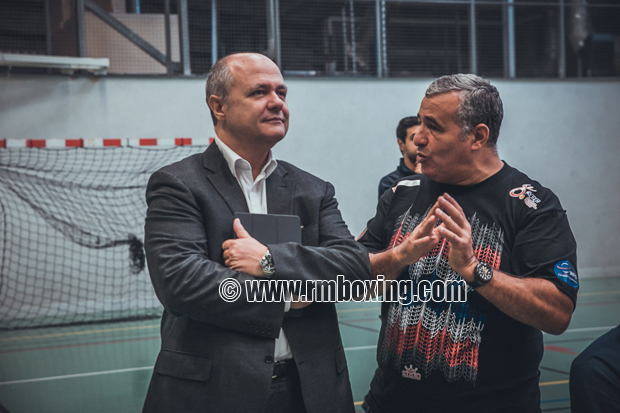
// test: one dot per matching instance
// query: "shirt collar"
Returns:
(403, 167)
(236, 162)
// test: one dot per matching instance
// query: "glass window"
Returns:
(537, 41)
(490, 40)
(328, 37)
(427, 39)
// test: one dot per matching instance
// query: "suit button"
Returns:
(268, 359)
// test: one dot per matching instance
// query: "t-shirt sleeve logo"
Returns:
(566, 272)
(526, 193)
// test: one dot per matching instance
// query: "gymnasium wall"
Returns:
(565, 134)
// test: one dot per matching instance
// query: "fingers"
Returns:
(455, 227)
(431, 239)
(452, 214)
(228, 258)
(449, 235)
(231, 249)
(244, 255)
(453, 232)
(239, 230)
(433, 210)
(447, 223)
(228, 252)
(428, 224)
(453, 209)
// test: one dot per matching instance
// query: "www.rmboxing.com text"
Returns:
(404, 292)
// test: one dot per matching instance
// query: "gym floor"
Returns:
(107, 367)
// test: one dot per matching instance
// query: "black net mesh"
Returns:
(22, 27)
(537, 42)
(490, 40)
(427, 39)
(242, 27)
(348, 38)
(332, 38)
(71, 232)
(199, 22)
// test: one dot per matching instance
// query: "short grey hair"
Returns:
(219, 82)
(480, 103)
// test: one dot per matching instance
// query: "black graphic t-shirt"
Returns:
(468, 355)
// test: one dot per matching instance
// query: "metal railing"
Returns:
(358, 38)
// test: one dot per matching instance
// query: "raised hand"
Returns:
(422, 240)
(457, 230)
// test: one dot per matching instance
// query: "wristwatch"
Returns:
(483, 274)
(267, 263)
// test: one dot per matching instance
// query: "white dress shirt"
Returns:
(255, 192)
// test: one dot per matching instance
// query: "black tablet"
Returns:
(271, 228)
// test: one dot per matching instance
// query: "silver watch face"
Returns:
(484, 272)
(267, 264)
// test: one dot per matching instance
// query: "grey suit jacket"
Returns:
(217, 356)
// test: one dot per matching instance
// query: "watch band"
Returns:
(269, 268)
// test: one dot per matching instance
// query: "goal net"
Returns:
(71, 234)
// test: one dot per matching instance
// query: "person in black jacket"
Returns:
(594, 383)
(405, 133)
(243, 356)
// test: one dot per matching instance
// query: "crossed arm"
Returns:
(328, 251)
(244, 254)
(533, 301)
(185, 279)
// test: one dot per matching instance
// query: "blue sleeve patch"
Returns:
(565, 272)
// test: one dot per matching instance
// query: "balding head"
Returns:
(221, 78)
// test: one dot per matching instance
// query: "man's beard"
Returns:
(412, 159)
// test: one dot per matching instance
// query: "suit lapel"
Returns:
(225, 183)
(280, 192)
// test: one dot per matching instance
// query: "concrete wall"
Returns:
(565, 134)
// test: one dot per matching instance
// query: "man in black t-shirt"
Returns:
(470, 218)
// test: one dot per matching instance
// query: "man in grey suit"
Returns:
(240, 356)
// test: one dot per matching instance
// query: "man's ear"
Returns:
(401, 145)
(481, 136)
(217, 106)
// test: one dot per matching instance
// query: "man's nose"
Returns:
(275, 102)
(421, 137)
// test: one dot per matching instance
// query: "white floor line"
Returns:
(71, 376)
(360, 348)
(99, 373)
(585, 330)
